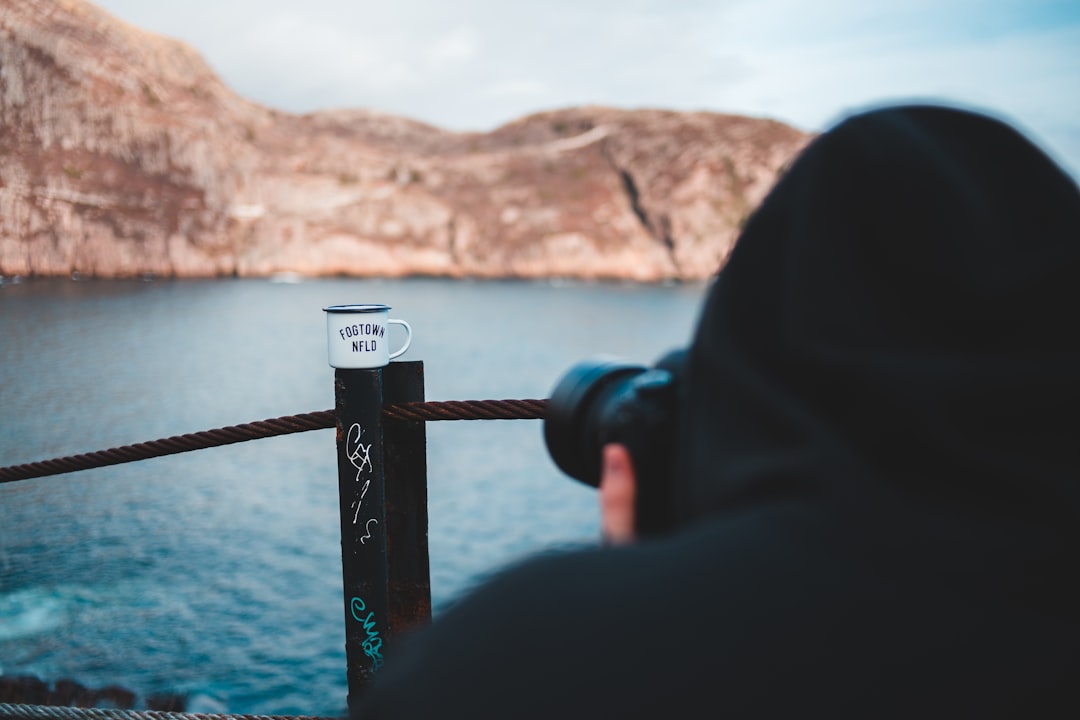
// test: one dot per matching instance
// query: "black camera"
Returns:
(607, 400)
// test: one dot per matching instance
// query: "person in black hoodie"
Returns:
(877, 474)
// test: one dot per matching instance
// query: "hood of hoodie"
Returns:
(897, 320)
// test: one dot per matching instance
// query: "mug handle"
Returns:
(408, 336)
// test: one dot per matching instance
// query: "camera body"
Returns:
(606, 400)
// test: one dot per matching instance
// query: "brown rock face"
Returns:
(121, 154)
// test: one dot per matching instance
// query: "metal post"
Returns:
(358, 396)
(383, 502)
(406, 500)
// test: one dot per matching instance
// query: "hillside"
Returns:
(123, 154)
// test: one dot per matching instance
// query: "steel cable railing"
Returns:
(413, 411)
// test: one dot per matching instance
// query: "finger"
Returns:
(617, 490)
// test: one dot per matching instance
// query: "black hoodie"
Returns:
(878, 475)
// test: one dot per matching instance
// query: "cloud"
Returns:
(456, 46)
(1028, 73)
(519, 88)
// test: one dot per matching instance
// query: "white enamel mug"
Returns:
(357, 336)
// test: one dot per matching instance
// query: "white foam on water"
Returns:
(32, 611)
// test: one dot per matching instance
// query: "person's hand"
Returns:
(617, 490)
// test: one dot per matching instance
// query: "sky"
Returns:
(476, 64)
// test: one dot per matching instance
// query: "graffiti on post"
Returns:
(359, 456)
(372, 643)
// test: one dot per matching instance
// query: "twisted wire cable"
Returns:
(468, 410)
(303, 422)
(10, 711)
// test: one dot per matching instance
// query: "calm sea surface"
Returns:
(217, 573)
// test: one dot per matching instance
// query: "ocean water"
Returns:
(216, 574)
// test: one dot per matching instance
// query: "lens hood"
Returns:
(569, 431)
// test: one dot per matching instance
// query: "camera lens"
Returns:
(572, 426)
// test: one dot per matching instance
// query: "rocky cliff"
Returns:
(123, 154)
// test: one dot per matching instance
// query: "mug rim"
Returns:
(357, 308)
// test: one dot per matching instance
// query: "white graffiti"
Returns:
(359, 456)
(360, 452)
(357, 503)
(367, 529)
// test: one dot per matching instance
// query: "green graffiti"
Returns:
(372, 645)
